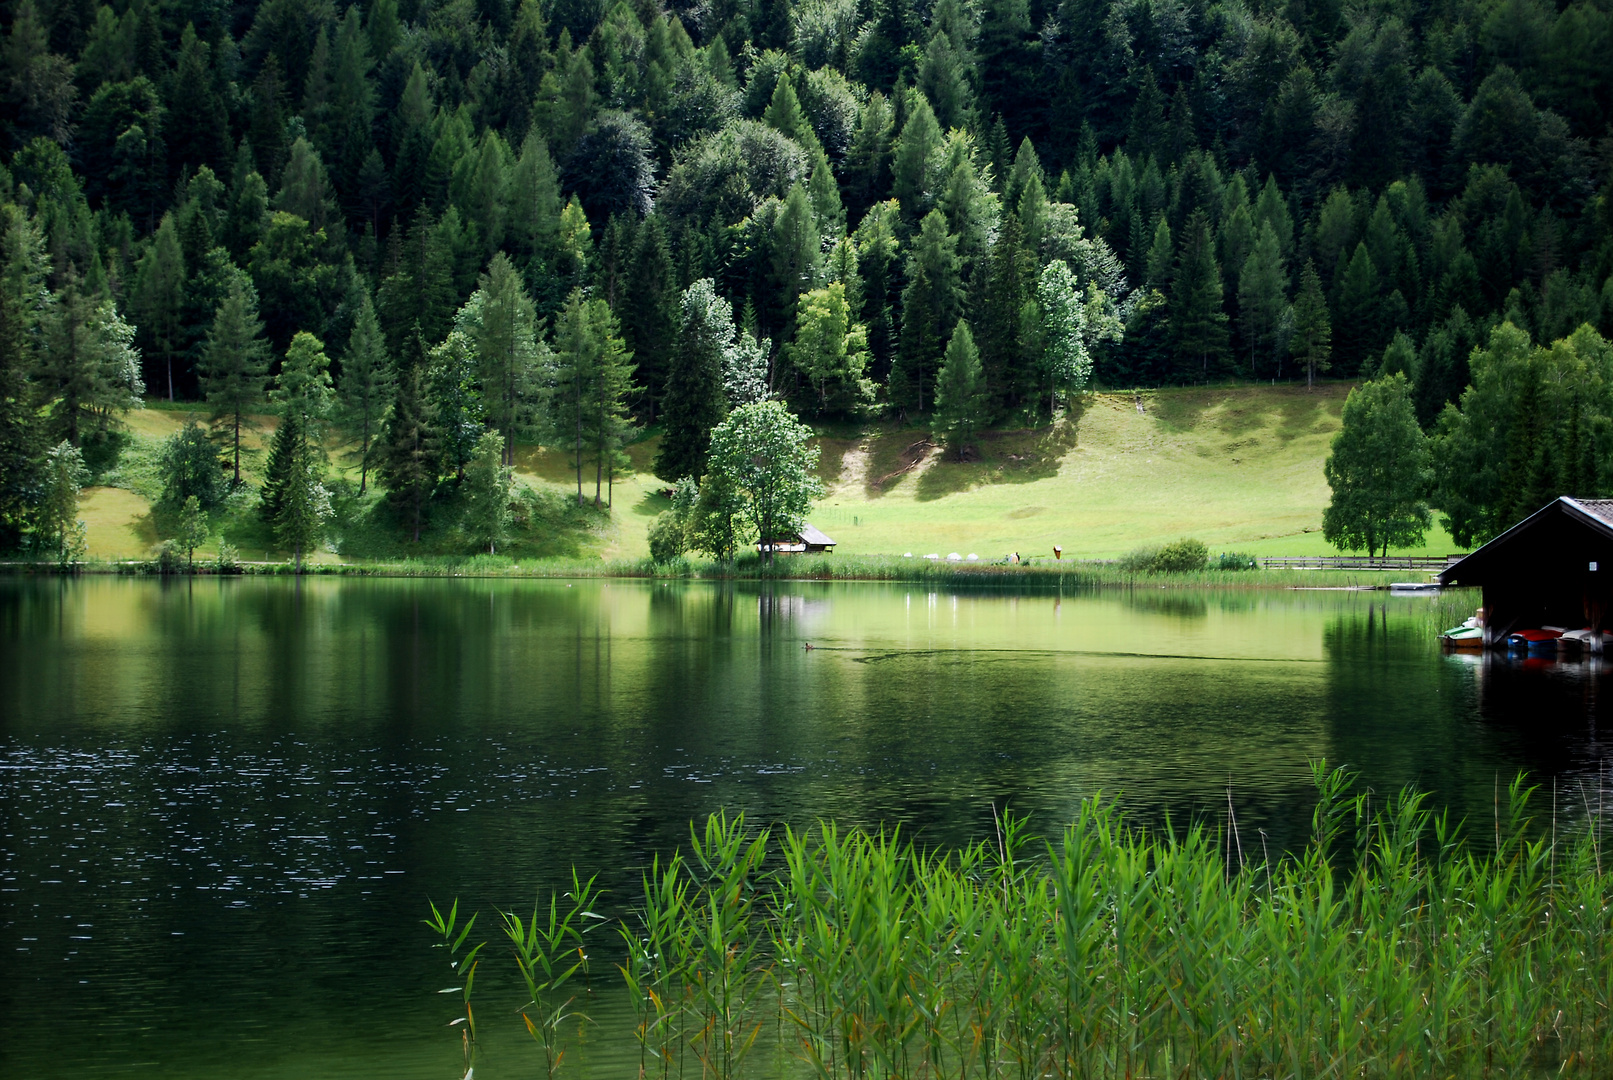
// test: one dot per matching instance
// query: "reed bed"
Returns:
(1389, 946)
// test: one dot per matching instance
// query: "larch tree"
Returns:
(1379, 471)
(488, 486)
(831, 350)
(961, 402)
(91, 369)
(235, 364)
(1066, 363)
(1262, 285)
(592, 373)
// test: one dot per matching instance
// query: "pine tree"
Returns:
(304, 508)
(960, 393)
(1198, 319)
(1359, 310)
(367, 387)
(796, 256)
(1312, 341)
(21, 435)
(910, 166)
(1008, 285)
(692, 403)
(303, 387)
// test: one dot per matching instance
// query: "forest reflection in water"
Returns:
(224, 802)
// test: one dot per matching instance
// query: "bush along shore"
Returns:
(1389, 946)
(1048, 573)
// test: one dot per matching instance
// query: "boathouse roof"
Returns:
(815, 537)
(1562, 537)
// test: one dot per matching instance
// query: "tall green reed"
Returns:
(463, 962)
(1388, 946)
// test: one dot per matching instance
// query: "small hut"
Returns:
(808, 541)
(1554, 568)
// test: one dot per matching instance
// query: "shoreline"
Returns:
(873, 569)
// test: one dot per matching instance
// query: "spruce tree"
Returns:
(1312, 340)
(1199, 321)
(409, 454)
(693, 402)
(286, 454)
(930, 305)
(235, 364)
(367, 387)
(502, 324)
(960, 393)
(649, 313)
(159, 297)
(21, 435)
(592, 375)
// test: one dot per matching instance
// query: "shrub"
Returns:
(189, 466)
(1235, 560)
(1182, 556)
(668, 537)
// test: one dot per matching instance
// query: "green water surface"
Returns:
(223, 804)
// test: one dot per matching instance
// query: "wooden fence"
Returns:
(1431, 563)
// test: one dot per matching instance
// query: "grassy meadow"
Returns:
(1238, 467)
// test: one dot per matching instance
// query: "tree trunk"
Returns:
(237, 449)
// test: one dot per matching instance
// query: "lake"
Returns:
(225, 803)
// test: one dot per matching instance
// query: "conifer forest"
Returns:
(422, 232)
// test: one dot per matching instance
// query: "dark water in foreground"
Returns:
(224, 804)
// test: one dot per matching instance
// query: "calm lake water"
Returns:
(223, 804)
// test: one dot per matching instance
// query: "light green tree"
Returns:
(960, 392)
(1065, 361)
(488, 483)
(303, 387)
(60, 531)
(831, 350)
(1379, 471)
(91, 369)
(763, 469)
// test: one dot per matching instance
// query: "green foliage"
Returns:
(487, 489)
(59, 531)
(960, 393)
(1378, 470)
(1184, 556)
(194, 529)
(693, 402)
(235, 364)
(764, 465)
(1530, 427)
(191, 469)
(831, 350)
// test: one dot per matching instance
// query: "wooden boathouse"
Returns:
(1554, 568)
(808, 541)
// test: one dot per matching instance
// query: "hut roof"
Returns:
(1560, 526)
(811, 535)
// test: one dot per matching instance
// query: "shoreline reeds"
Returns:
(1389, 946)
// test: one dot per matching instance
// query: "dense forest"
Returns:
(409, 224)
